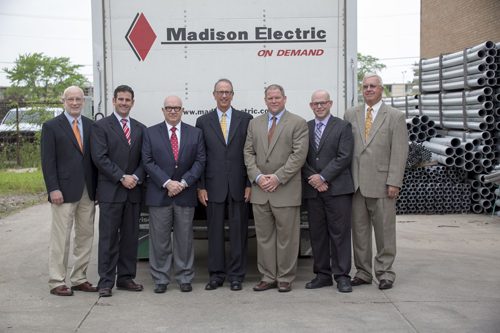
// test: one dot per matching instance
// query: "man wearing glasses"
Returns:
(328, 192)
(224, 187)
(380, 152)
(173, 155)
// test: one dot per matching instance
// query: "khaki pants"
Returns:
(64, 216)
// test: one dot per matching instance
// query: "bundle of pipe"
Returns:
(471, 68)
(434, 190)
(482, 195)
(417, 155)
(493, 177)
(420, 128)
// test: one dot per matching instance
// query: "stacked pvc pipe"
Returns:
(434, 190)
(420, 128)
(460, 93)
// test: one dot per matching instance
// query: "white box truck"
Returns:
(181, 47)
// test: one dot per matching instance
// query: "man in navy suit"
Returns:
(70, 178)
(328, 189)
(173, 154)
(116, 144)
(224, 186)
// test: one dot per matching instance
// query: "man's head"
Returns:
(172, 110)
(275, 98)
(223, 94)
(73, 101)
(373, 88)
(321, 104)
(123, 100)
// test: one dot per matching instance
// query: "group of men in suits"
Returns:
(341, 168)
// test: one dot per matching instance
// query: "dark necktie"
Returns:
(271, 130)
(317, 134)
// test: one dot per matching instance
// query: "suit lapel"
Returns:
(116, 127)
(235, 122)
(312, 125)
(328, 129)
(279, 128)
(66, 128)
(164, 135)
(184, 139)
(360, 118)
(214, 122)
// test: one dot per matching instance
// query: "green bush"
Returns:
(29, 154)
(21, 182)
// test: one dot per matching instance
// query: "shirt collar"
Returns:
(228, 113)
(278, 116)
(324, 121)
(120, 118)
(71, 118)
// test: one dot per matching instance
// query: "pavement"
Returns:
(448, 280)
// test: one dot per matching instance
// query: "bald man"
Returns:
(173, 154)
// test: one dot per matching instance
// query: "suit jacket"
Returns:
(332, 158)
(381, 159)
(64, 166)
(225, 170)
(284, 156)
(114, 157)
(159, 162)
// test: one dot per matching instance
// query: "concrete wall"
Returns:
(448, 26)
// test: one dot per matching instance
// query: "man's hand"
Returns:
(323, 187)
(56, 197)
(174, 187)
(129, 182)
(248, 194)
(203, 196)
(392, 191)
(315, 181)
(268, 183)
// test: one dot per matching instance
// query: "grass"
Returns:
(18, 183)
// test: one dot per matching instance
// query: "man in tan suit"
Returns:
(275, 150)
(380, 152)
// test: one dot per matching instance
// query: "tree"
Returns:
(368, 64)
(40, 78)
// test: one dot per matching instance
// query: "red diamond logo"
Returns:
(140, 36)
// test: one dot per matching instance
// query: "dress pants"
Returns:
(118, 241)
(379, 213)
(64, 216)
(278, 236)
(161, 252)
(330, 230)
(237, 213)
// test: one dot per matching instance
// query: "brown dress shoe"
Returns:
(62, 290)
(263, 285)
(86, 286)
(129, 285)
(284, 287)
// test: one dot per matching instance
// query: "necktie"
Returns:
(368, 122)
(126, 130)
(223, 125)
(175, 143)
(317, 134)
(76, 131)
(271, 130)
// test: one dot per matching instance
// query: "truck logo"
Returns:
(140, 36)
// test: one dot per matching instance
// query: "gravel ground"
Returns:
(12, 203)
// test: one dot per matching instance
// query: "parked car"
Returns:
(30, 120)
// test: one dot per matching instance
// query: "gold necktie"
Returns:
(368, 122)
(223, 125)
(76, 131)
(271, 130)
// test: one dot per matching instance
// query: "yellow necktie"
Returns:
(76, 131)
(223, 126)
(368, 122)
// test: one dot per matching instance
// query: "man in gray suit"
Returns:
(275, 151)
(328, 189)
(173, 154)
(380, 152)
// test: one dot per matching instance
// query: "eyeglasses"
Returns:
(321, 103)
(371, 86)
(73, 99)
(172, 108)
(223, 92)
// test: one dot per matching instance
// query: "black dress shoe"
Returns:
(105, 292)
(236, 285)
(385, 284)
(129, 285)
(213, 284)
(160, 288)
(344, 285)
(357, 282)
(186, 287)
(318, 283)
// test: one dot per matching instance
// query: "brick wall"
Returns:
(447, 26)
